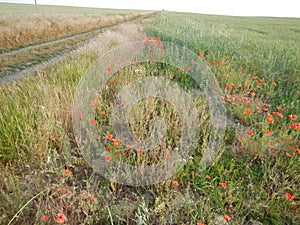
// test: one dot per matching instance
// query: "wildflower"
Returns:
(199, 223)
(115, 142)
(248, 111)
(67, 171)
(102, 113)
(188, 68)
(294, 207)
(107, 148)
(274, 83)
(44, 218)
(277, 114)
(93, 121)
(121, 105)
(208, 177)
(268, 144)
(94, 104)
(288, 154)
(289, 196)
(60, 218)
(115, 80)
(249, 132)
(292, 117)
(295, 126)
(63, 191)
(252, 94)
(228, 86)
(128, 147)
(266, 108)
(270, 119)
(139, 151)
(93, 199)
(108, 158)
(268, 132)
(199, 53)
(109, 136)
(175, 183)
(223, 185)
(227, 218)
(280, 109)
(109, 69)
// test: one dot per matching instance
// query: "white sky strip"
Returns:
(272, 8)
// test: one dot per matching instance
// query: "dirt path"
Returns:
(84, 39)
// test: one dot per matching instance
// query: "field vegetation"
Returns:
(37, 24)
(256, 180)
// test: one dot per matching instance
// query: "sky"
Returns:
(272, 8)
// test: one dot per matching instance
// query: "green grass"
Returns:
(37, 140)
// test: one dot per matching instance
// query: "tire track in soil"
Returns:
(72, 48)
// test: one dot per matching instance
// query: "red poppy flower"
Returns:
(280, 109)
(139, 151)
(102, 113)
(266, 108)
(199, 53)
(199, 223)
(248, 111)
(109, 69)
(294, 207)
(277, 114)
(175, 183)
(227, 218)
(108, 158)
(67, 171)
(94, 104)
(270, 119)
(292, 117)
(188, 68)
(268, 132)
(44, 218)
(93, 121)
(289, 196)
(274, 83)
(60, 218)
(249, 132)
(288, 154)
(116, 142)
(252, 94)
(223, 185)
(295, 126)
(109, 136)
(63, 191)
